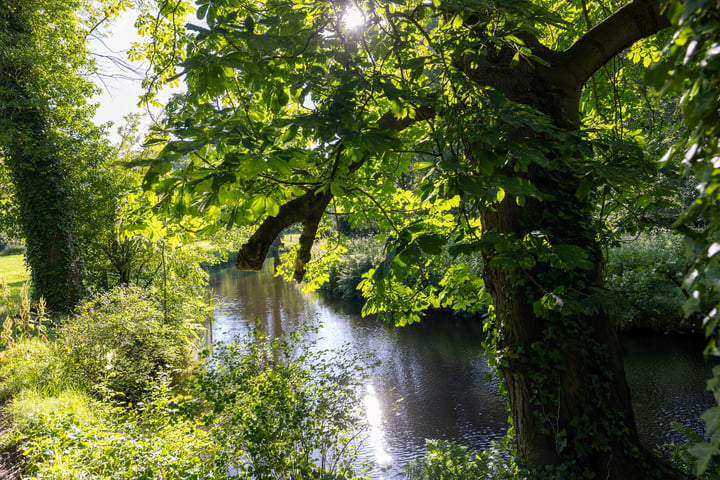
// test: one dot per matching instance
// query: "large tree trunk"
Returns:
(41, 182)
(562, 366)
(45, 214)
(557, 349)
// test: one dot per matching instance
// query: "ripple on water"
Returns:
(432, 382)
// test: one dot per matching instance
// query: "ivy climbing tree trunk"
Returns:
(36, 166)
(557, 348)
(45, 212)
(564, 372)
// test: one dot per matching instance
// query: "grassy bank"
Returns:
(13, 273)
(117, 391)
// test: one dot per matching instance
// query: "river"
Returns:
(433, 379)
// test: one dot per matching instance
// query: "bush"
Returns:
(121, 339)
(73, 436)
(647, 271)
(283, 413)
(9, 246)
(344, 278)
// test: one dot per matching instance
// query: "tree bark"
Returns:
(37, 172)
(562, 366)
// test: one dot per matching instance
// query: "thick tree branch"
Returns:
(308, 209)
(634, 21)
(303, 209)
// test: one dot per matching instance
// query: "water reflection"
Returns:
(667, 377)
(433, 380)
(374, 414)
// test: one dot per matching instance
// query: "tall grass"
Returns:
(13, 273)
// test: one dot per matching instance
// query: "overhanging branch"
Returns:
(308, 210)
(634, 21)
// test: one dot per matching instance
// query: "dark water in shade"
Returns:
(432, 382)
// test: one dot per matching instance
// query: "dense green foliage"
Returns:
(45, 127)
(70, 435)
(264, 410)
(344, 277)
(490, 146)
(448, 461)
(28, 364)
(120, 341)
(646, 272)
(691, 64)
(457, 129)
(283, 412)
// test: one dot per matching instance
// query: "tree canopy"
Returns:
(513, 118)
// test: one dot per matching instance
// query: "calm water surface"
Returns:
(433, 379)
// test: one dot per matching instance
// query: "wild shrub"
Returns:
(282, 412)
(74, 436)
(647, 272)
(121, 339)
(445, 460)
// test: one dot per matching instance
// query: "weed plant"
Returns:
(282, 412)
(72, 435)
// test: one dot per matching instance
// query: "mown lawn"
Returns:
(13, 273)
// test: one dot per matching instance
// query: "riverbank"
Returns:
(644, 276)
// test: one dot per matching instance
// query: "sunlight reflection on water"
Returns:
(432, 379)
(374, 417)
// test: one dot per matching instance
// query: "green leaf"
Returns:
(271, 206)
(431, 243)
(457, 21)
(703, 452)
(249, 24)
(257, 206)
(202, 11)
(584, 188)
(282, 97)
(336, 190)
(573, 256)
